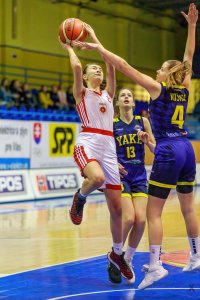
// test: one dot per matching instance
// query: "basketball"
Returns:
(72, 30)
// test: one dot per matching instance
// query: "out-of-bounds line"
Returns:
(92, 293)
(116, 291)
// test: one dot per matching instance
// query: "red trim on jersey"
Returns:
(97, 130)
(100, 94)
(82, 111)
(81, 158)
(113, 187)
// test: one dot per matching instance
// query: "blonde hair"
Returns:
(177, 71)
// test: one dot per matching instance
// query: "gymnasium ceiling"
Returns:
(171, 8)
(152, 5)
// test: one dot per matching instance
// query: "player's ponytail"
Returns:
(176, 72)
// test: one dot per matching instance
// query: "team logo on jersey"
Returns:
(108, 98)
(137, 127)
(37, 132)
(102, 107)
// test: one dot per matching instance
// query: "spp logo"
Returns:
(62, 139)
(37, 132)
(11, 183)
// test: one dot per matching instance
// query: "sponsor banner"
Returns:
(52, 144)
(15, 145)
(15, 186)
(49, 183)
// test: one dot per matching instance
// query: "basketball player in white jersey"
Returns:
(95, 152)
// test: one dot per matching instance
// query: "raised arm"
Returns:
(191, 19)
(152, 86)
(78, 88)
(110, 70)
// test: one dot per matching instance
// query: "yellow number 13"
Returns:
(177, 117)
(130, 152)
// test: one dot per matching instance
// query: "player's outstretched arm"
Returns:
(191, 19)
(121, 65)
(76, 66)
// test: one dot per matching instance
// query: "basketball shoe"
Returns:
(155, 273)
(119, 262)
(129, 263)
(114, 274)
(194, 263)
(76, 211)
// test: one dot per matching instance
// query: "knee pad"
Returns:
(184, 189)
(159, 192)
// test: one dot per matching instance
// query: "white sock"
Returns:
(117, 247)
(154, 253)
(194, 245)
(129, 253)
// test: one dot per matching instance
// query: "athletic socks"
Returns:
(194, 245)
(81, 196)
(129, 253)
(155, 251)
(117, 247)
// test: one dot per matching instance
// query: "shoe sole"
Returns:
(111, 261)
(163, 276)
(192, 270)
(117, 281)
(77, 223)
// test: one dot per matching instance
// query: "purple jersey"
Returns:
(168, 112)
(174, 161)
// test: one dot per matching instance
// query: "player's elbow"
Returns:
(77, 66)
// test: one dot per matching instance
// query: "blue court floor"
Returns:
(87, 280)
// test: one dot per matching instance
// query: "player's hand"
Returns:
(89, 29)
(85, 46)
(64, 45)
(143, 136)
(122, 170)
(192, 15)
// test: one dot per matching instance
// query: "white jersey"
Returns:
(96, 110)
(96, 142)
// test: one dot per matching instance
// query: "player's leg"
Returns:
(94, 178)
(137, 230)
(116, 257)
(154, 211)
(128, 216)
(191, 222)
(186, 198)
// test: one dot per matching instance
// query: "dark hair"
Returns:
(177, 71)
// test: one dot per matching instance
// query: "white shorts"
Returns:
(101, 148)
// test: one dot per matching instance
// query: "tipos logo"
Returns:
(12, 183)
(56, 182)
(62, 139)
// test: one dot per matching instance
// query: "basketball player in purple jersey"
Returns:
(174, 164)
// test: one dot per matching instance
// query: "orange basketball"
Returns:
(72, 30)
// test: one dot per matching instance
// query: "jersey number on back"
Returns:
(177, 117)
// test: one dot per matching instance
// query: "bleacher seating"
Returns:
(22, 113)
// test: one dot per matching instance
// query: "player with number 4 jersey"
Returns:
(174, 162)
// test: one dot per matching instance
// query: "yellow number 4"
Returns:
(177, 117)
